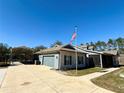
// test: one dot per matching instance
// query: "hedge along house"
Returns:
(62, 57)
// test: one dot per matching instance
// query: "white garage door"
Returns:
(48, 61)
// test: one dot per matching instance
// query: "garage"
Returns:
(49, 60)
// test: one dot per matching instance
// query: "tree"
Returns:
(56, 43)
(22, 53)
(120, 42)
(103, 44)
(110, 44)
(4, 52)
(87, 44)
(38, 48)
(81, 44)
(98, 45)
(93, 44)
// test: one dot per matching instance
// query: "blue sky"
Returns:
(42, 22)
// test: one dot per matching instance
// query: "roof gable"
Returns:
(68, 46)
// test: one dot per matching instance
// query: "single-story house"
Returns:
(68, 56)
(62, 57)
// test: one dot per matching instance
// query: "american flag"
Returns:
(73, 37)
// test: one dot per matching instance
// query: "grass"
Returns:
(111, 81)
(82, 71)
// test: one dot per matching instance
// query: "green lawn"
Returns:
(82, 71)
(111, 81)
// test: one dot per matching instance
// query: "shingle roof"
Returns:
(49, 50)
(80, 50)
(112, 52)
(59, 48)
(90, 51)
(109, 52)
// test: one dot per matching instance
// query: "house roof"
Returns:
(80, 50)
(49, 50)
(84, 47)
(112, 52)
(109, 52)
(71, 48)
(92, 52)
(56, 49)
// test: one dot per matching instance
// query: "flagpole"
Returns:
(76, 56)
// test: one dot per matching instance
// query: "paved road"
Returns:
(40, 79)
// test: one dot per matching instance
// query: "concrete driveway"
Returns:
(2, 74)
(40, 79)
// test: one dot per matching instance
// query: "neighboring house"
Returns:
(62, 57)
(86, 47)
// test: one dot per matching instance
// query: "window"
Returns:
(80, 60)
(67, 60)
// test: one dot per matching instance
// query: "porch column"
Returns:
(101, 61)
(60, 61)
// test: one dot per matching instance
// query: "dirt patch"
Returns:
(25, 83)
